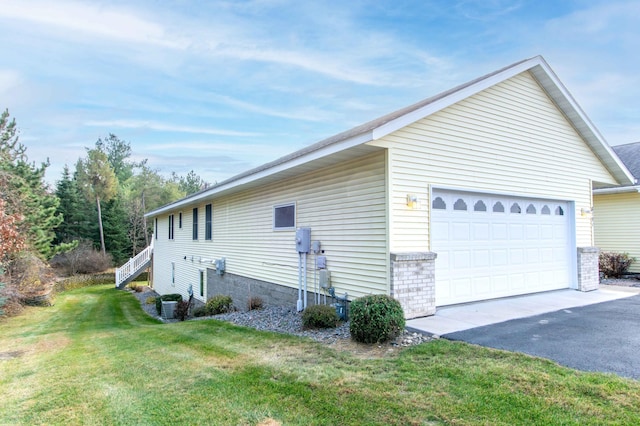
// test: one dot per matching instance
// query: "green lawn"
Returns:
(96, 358)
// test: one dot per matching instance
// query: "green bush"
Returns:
(375, 318)
(150, 300)
(320, 316)
(200, 311)
(219, 304)
(175, 297)
(613, 265)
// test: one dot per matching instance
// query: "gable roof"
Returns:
(352, 143)
(629, 154)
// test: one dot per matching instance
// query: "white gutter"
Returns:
(617, 190)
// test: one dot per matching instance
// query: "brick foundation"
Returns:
(588, 268)
(413, 283)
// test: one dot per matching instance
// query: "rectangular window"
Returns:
(173, 274)
(171, 227)
(284, 216)
(156, 231)
(201, 282)
(207, 222)
(195, 223)
(180, 220)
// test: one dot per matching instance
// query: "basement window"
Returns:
(284, 217)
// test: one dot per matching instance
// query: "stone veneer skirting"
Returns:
(588, 268)
(413, 282)
(241, 289)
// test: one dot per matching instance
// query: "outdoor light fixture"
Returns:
(412, 201)
(585, 212)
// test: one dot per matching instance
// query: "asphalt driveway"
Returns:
(603, 337)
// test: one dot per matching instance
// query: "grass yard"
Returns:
(96, 358)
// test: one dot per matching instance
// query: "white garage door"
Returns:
(492, 246)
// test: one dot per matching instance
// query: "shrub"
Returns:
(375, 318)
(150, 300)
(182, 310)
(79, 281)
(613, 265)
(200, 311)
(320, 316)
(219, 304)
(175, 297)
(254, 303)
(84, 259)
(137, 288)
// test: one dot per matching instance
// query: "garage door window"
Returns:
(438, 203)
(515, 208)
(531, 209)
(480, 206)
(498, 207)
(460, 205)
(545, 210)
(559, 211)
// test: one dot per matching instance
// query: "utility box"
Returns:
(325, 278)
(168, 309)
(303, 240)
(220, 265)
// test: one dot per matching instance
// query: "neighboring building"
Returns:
(616, 218)
(473, 194)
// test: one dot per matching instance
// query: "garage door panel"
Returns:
(499, 246)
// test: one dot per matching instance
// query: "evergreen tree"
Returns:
(80, 218)
(115, 230)
(98, 182)
(25, 192)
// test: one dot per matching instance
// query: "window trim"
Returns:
(171, 230)
(180, 220)
(208, 222)
(295, 215)
(194, 226)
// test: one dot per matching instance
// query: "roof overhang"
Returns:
(352, 143)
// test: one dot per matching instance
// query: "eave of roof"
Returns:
(354, 139)
(617, 190)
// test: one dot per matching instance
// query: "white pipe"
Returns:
(300, 282)
(304, 268)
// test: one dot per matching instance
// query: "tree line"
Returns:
(100, 200)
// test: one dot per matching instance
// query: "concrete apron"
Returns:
(450, 319)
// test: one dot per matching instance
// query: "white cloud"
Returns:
(162, 127)
(92, 19)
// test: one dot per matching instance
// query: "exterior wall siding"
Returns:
(616, 223)
(344, 205)
(510, 138)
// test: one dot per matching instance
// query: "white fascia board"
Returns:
(617, 190)
(261, 174)
(453, 98)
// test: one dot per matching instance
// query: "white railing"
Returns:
(134, 265)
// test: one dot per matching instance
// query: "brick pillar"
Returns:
(413, 283)
(588, 268)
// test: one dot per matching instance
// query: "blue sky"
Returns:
(223, 86)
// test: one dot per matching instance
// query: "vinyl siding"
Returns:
(616, 223)
(510, 138)
(344, 205)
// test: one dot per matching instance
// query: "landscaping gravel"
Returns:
(282, 320)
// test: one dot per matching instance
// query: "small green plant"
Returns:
(320, 316)
(613, 265)
(219, 304)
(255, 303)
(150, 300)
(376, 318)
(200, 311)
(175, 297)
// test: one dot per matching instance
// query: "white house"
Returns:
(480, 192)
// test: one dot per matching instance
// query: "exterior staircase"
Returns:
(134, 267)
